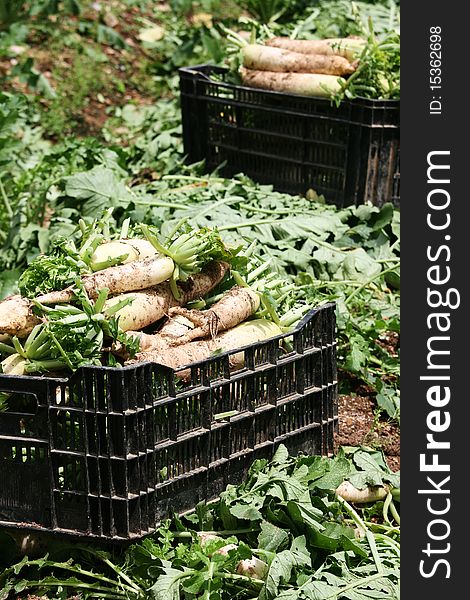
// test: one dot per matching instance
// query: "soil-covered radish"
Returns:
(349, 48)
(253, 567)
(176, 328)
(17, 317)
(244, 334)
(350, 493)
(304, 84)
(186, 325)
(136, 275)
(266, 58)
(151, 305)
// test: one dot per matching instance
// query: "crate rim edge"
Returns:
(168, 370)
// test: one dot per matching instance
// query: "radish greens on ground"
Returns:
(283, 533)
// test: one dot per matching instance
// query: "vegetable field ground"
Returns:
(91, 145)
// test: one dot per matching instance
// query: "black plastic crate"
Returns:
(111, 452)
(348, 153)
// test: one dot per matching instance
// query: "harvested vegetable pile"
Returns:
(364, 63)
(310, 68)
(88, 303)
(297, 528)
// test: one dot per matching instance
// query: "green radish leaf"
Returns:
(271, 538)
(9, 283)
(167, 586)
(339, 470)
(101, 189)
(281, 567)
(246, 512)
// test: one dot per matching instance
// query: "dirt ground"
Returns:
(358, 426)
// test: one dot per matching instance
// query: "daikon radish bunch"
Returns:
(183, 355)
(149, 305)
(189, 250)
(186, 325)
(366, 66)
(95, 250)
(309, 69)
(67, 337)
(267, 58)
(120, 265)
(142, 307)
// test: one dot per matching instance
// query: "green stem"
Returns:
(78, 570)
(222, 533)
(385, 508)
(210, 576)
(267, 211)
(61, 350)
(192, 178)
(259, 271)
(394, 512)
(368, 282)
(234, 577)
(125, 229)
(212, 206)
(122, 575)
(160, 204)
(363, 527)
(353, 514)
(361, 582)
(377, 527)
(96, 591)
(18, 347)
(6, 349)
(249, 224)
(385, 539)
(239, 279)
(99, 302)
(40, 366)
(153, 239)
(6, 202)
(270, 307)
(375, 553)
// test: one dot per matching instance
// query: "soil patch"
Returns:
(359, 426)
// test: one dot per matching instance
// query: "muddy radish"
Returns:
(266, 58)
(304, 84)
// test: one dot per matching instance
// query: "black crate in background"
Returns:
(350, 153)
(111, 452)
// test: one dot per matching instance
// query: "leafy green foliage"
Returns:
(54, 271)
(346, 255)
(305, 541)
(378, 73)
(12, 11)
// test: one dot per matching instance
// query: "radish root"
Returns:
(236, 306)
